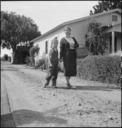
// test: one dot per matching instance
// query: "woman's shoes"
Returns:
(54, 85)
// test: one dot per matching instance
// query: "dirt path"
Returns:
(87, 104)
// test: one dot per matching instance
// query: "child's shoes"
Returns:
(46, 84)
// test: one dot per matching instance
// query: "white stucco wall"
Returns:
(41, 43)
(79, 30)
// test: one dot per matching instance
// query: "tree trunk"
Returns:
(14, 59)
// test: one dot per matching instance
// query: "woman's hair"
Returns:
(54, 40)
(67, 28)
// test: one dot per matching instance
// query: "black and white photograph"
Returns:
(61, 63)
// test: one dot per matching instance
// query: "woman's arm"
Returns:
(76, 43)
(61, 49)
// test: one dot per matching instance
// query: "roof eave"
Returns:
(76, 20)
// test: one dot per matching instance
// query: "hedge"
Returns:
(100, 68)
(41, 63)
(5, 57)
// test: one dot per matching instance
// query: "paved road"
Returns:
(6, 115)
(87, 104)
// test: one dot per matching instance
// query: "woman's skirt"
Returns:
(70, 63)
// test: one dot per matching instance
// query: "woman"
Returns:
(68, 47)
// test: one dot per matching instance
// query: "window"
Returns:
(114, 18)
(46, 47)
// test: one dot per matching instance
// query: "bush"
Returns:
(9, 58)
(29, 61)
(33, 50)
(100, 68)
(5, 57)
(42, 62)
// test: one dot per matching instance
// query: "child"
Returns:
(53, 64)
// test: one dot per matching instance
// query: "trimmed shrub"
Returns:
(100, 68)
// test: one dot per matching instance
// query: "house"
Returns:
(80, 28)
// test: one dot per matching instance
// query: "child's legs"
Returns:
(49, 74)
(54, 78)
(54, 75)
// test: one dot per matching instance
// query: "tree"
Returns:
(95, 38)
(106, 5)
(16, 29)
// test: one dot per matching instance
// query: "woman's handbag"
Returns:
(61, 66)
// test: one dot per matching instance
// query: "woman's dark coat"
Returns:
(69, 56)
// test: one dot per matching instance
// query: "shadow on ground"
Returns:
(28, 117)
(90, 88)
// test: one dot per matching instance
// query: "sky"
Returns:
(49, 14)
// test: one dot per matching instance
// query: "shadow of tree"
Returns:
(29, 116)
(7, 120)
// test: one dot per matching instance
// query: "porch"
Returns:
(114, 41)
(114, 38)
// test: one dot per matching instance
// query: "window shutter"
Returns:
(46, 47)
